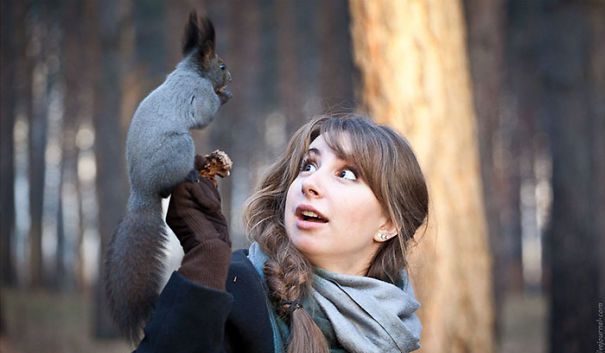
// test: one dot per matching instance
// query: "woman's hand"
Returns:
(194, 215)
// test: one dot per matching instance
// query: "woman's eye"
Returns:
(308, 167)
(347, 174)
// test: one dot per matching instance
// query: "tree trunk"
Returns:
(60, 275)
(498, 143)
(598, 125)
(111, 181)
(177, 13)
(7, 163)
(414, 77)
(573, 79)
(291, 88)
(23, 93)
(240, 30)
(38, 134)
(520, 128)
(49, 88)
(336, 79)
(73, 65)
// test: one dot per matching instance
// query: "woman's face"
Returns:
(332, 216)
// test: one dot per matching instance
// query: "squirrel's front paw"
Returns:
(193, 176)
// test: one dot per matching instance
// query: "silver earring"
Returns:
(384, 236)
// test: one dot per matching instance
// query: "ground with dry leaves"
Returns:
(44, 322)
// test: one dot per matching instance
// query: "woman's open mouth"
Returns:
(308, 214)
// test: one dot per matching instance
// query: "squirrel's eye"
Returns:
(222, 66)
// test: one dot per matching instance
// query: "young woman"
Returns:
(331, 224)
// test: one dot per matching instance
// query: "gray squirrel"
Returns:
(160, 154)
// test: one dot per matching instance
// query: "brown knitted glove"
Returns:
(195, 216)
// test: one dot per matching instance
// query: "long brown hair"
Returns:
(391, 170)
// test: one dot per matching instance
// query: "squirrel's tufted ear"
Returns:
(207, 36)
(199, 36)
(207, 40)
(192, 34)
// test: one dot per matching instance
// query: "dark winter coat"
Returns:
(192, 318)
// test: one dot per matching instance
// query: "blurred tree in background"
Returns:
(503, 100)
(451, 267)
(572, 107)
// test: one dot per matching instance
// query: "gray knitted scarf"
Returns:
(357, 314)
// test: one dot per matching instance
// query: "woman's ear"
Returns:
(387, 231)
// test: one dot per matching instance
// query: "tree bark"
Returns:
(73, 65)
(81, 54)
(111, 181)
(7, 163)
(177, 13)
(521, 124)
(23, 82)
(239, 32)
(336, 79)
(573, 79)
(414, 77)
(291, 87)
(598, 126)
(37, 72)
(498, 143)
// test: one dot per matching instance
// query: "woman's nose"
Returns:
(311, 185)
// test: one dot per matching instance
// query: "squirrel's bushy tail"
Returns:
(133, 269)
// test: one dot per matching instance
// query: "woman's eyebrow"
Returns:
(313, 151)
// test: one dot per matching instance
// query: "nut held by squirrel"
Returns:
(213, 164)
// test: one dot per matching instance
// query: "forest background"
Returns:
(503, 101)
